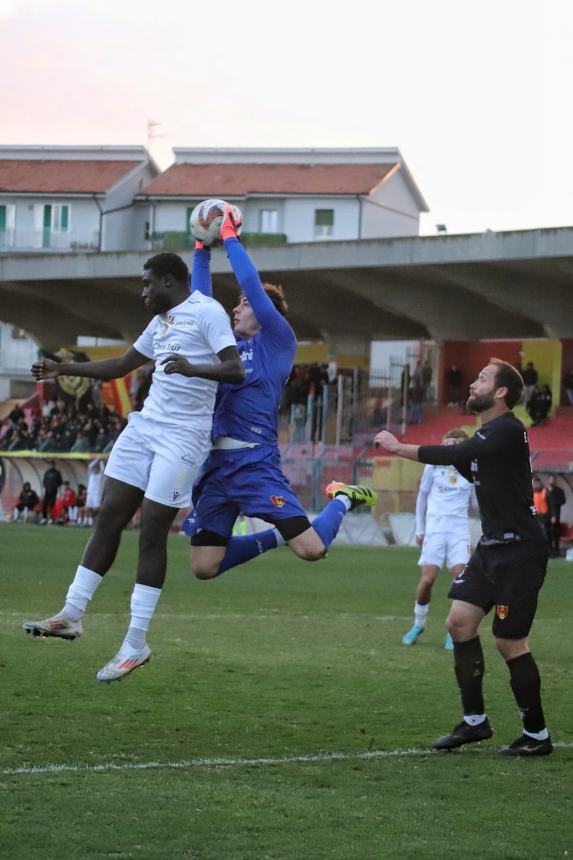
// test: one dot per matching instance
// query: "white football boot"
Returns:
(58, 626)
(123, 663)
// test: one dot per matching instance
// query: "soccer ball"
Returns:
(207, 217)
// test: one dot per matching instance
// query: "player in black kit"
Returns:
(507, 569)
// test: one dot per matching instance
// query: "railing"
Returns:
(23, 239)
(178, 240)
(352, 409)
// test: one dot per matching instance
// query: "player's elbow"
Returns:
(236, 372)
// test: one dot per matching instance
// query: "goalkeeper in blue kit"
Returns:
(243, 471)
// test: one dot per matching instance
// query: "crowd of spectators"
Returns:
(63, 425)
(306, 380)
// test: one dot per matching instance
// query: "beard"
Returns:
(480, 402)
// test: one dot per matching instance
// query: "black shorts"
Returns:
(509, 577)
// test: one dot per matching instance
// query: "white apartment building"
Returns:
(70, 198)
(307, 195)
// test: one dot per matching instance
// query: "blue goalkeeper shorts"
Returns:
(248, 481)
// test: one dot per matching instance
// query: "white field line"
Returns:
(252, 616)
(211, 763)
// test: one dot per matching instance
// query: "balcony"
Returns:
(44, 241)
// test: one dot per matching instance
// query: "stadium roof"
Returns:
(244, 179)
(52, 176)
(469, 287)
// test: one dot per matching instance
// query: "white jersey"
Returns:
(443, 500)
(197, 329)
(95, 484)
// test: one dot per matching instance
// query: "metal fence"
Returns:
(351, 409)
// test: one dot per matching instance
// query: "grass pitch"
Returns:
(223, 747)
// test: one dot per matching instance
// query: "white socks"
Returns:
(420, 614)
(80, 592)
(474, 719)
(538, 736)
(279, 538)
(143, 602)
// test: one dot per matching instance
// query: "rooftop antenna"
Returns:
(152, 133)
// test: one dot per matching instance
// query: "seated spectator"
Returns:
(75, 510)
(81, 445)
(101, 440)
(21, 439)
(568, 385)
(27, 504)
(539, 404)
(62, 505)
(16, 415)
(529, 376)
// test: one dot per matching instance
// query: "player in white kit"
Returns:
(157, 457)
(442, 531)
(94, 492)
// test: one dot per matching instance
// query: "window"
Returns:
(7, 223)
(51, 219)
(323, 223)
(268, 221)
(60, 218)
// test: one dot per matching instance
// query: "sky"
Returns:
(477, 96)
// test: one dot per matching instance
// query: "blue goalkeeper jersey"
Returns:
(250, 411)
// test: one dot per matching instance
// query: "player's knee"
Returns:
(427, 581)
(456, 626)
(314, 553)
(204, 569)
(110, 520)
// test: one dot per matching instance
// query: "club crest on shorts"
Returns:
(278, 501)
(502, 612)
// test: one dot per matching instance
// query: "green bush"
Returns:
(173, 240)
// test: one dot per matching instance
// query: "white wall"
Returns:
(16, 357)
(400, 215)
(16, 353)
(170, 215)
(119, 228)
(252, 208)
(299, 217)
(142, 213)
(296, 215)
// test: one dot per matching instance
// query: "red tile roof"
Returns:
(239, 180)
(61, 177)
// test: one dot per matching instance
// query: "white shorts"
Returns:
(453, 546)
(163, 461)
(93, 499)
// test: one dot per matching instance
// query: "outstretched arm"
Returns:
(246, 274)
(108, 368)
(483, 442)
(201, 280)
